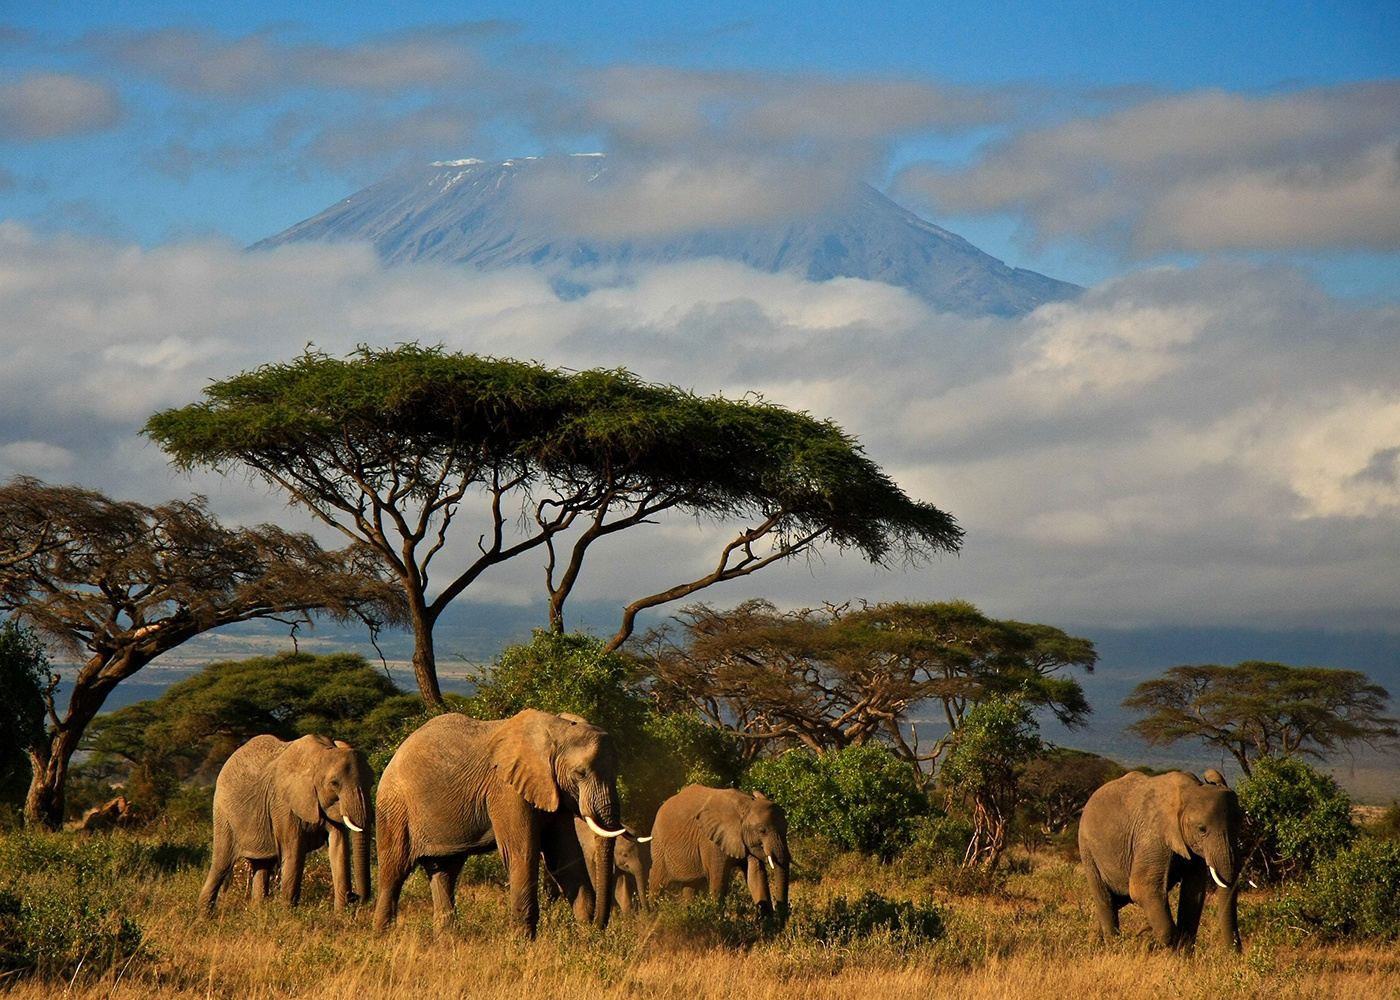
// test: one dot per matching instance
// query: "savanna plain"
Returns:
(1025, 932)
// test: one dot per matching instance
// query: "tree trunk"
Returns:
(44, 804)
(424, 659)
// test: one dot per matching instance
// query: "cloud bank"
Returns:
(1204, 171)
(1218, 444)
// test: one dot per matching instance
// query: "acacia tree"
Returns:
(391, 447)
(835, 677)
(1261, 709)
(120, 583)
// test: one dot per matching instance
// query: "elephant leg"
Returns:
(1105, 906)
(522, 864)
(442, 879)
(1152, 897)
(1188, 909)
(259, 881)
(338, 847)
(720, 875)
(219, 867)
(757, 880)
(393, 872)
(622, 892)
(293, 864)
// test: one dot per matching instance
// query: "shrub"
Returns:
(24, 671)
(1354, 893)
(845, 921)
(1298, 815)
(1386, 826)
(935, 841)
(861, 798)
(62, 905)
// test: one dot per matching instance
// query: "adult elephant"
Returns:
(460, 786)
(1140, 836)
(570, 851)
(702, 835)
(275, 801)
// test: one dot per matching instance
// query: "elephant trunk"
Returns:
(359, 864)
(603, 866)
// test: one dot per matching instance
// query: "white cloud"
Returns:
(1220, 444)
(1202, 171)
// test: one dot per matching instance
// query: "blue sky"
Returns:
(1210, 435)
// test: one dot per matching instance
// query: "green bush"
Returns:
(1386, 826)
(861, 798)
(1299, 816)
(24, 671)
(935, 841)
(63, 903)
(846, 921)
(1354, 893)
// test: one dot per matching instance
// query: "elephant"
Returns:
(274, 801)
(570, 850)
(460, 786)
(1140, 836)
(702, 835)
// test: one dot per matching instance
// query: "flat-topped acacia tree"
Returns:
(393, 446)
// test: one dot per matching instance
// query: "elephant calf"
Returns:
(275, 801)
(570, 852)
(702, 835)
(1140, 836)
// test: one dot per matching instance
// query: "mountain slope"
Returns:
(462, 211)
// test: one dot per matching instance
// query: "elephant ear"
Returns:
(1172, 802)
(524, 753)
(296, 774)
(721, 819)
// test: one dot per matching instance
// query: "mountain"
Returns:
(462, 211)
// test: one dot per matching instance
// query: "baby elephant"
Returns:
(570, 851)
(703, 835)
(276, 801)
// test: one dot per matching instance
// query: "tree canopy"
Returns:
(391, 446)
(1261, 709)
(119, 583)
(190, 730)
(834, 677)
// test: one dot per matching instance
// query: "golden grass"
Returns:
(1033, 940)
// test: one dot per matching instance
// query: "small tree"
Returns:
(1259, 709)
(1055, 786)
(391, 447)
(997, 739)
(1295, 816)
(861, 798)
(837, 677)
(24, 677)
(120, 583)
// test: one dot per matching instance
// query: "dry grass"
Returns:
(1030, 940)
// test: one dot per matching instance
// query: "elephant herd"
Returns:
(536, 787)
(540, 787)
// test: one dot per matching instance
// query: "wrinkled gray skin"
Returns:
(570, 853)
(274, 802)
(459, 786)
(1140, 836)
(702, 835)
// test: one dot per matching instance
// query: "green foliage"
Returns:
(861, 798)
(935, 842)
(190, 730)
(1299, 816)
(1055, 786)
(847, 921)
(64, 903)
(997, 739)
(658, 751)
(24, 672)
(1386, 826)
(1354, 893)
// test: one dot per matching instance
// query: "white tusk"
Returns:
(770, 862)
(592, 825)
(644, 840)
(1217, 878)
(351, 824)
(1253, 884)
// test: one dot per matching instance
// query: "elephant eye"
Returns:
(1201, 828)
